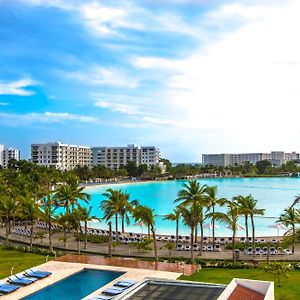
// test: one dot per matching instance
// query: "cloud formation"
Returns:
(18, 87)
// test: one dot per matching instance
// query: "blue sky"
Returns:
(191, 77)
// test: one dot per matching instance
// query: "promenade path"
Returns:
(126, 250)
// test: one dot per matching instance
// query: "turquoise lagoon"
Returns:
(273, 194)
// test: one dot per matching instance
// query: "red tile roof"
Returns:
(243, 293)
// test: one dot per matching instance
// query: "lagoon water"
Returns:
(273, 194)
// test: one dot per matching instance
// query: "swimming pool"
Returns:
(75, 286)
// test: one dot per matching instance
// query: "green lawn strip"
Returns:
(290, 289)
(19, 260)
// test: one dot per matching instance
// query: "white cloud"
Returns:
(98, 75)
(12, 119)
(18, 88)
(4, 103)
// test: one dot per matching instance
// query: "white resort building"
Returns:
(228, 159)
(115, 157)
(61, 156)
(6, 154)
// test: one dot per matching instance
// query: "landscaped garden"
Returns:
(289, 290)
(20, 261)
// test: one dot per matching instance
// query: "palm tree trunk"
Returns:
(293, 245)
(253, 233)
(85, 234)
(109, 240)
(196, 233)
(233, 246)
(116, 220)
(123, 224)
(31, 236)
(50, 235)
(177, 232)
(78, 241)
(7, 231)
(192, 242)
(247, 229)
(201, 238)
(213, 226)
(148, 232)
(154, 243)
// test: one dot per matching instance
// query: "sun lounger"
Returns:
(125, 284)
(113, 291)
(19, 281)
(40, 272)
(6, 288)
(101, 297)
(30, 273)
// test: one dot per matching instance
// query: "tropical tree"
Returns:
(8, 209)
(86, 216)
(75, 219)
(230, 219)
(63, 219)
(212, 201)
(193, 194)
(112, 205)
(190, 218)
(70, 194)
(174, 216)
(290, 218)
(30, 211)
(146, 215)
(170, 246)
(126, 207)
(278, 269)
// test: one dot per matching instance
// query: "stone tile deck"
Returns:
(61, 269)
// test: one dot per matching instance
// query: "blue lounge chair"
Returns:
(21, 276)
(15, 280)
(113, 291)
(40, 272)
(30, 273)
(6, 288)
(124, 284)
(101, 297)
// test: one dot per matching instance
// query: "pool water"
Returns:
(273, 194)
(76, 286)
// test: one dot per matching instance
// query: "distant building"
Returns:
(10, 153)
(6, 154)
(116, 157)
(61, 156)
(228, 159)
(1, 155)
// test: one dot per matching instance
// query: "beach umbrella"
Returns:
(278, 227)
(210, 226)
(141, 224)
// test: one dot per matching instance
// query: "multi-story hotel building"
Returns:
(6, 154)
(227, 159)
(1, 155)
(61, 156)
(115, 157)
(10, 153)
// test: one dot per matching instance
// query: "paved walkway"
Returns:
(128, 251)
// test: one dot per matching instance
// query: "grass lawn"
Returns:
(19, 260)
(289, 290)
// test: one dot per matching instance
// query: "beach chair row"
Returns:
(16, 281)
(265, 250)
(196, 247)
(117, 289)
(44, 225)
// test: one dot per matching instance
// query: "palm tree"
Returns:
(112, 205)
(75, 217)
(146, 215)
(290, 218)
(190, 218)
(212, 201)
(244, 204)
(70, 193)
(8, 209)
(126, 207)
(175, 216)
(193, 194)
(86, 217)
(230, 218)
(30, 211)
(253, 211)
(63, 220)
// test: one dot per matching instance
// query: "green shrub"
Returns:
(93, 238)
